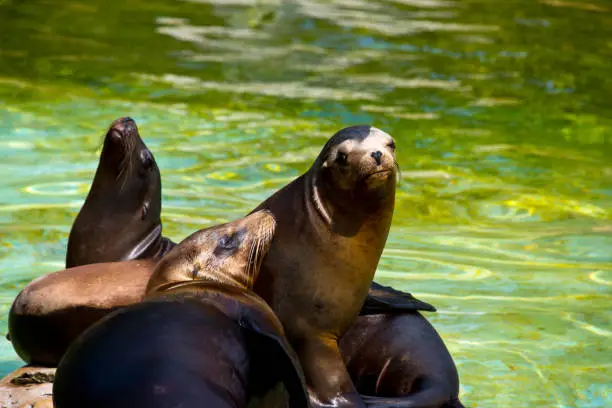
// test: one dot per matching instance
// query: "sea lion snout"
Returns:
(122, 127)
(377, 155)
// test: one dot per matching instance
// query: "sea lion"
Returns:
(53, 310)
(27, 387)
(200, 338)
(402, 359)
(120, 219)
(333, 223)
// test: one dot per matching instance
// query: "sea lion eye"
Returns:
(144, 211)
(391, 145)
(147, 159)
(341, 158)
(230, 242)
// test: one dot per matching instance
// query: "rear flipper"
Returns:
(429, 398)
(386, 300)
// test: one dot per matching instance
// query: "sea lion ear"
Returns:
(267, 347)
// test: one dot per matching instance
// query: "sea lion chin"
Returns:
(199, 338)
(332, 225)
(120, 219)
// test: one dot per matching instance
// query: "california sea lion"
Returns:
(120, 219)
(402, 359)
(201, 338)
(333, 223)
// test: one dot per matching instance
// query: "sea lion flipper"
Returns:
(266, 348)
(385, 299)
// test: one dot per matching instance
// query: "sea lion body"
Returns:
(333, 223)
(53, 310)
(200, 337)
(402, 359)
(120, 219)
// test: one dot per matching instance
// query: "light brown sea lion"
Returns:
(333, 223)
(120, 219)
(201, 338)
(402, 359)
(53, 310)
(27, 387)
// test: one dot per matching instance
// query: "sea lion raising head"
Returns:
(120, 219)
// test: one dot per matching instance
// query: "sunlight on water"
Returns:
(501, 115)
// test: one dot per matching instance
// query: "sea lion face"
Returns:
(229, 253)
(359, 160)
(129, 169)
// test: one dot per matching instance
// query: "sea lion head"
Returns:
(127, 168)
(120, 219)
(230, 253)
(357, 162)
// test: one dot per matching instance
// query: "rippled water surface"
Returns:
(500, 109)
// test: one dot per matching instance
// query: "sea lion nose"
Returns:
(123, 126)
(377, 156)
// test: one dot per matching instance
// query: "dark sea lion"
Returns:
(120, 219)
(402, 359)
(53, 310)
(201, 338)
(333, 223)
(27, 387)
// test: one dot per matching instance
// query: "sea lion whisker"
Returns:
(251, 264)
(399, 170)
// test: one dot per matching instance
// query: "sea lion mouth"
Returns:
(379, 175)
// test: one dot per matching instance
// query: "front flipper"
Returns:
(275, 376)
(386, 300)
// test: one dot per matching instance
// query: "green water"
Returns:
(501, 113)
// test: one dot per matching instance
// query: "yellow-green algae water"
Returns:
(501, 112)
